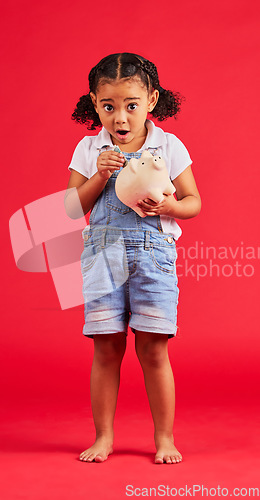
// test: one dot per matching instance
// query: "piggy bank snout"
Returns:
(158, 162)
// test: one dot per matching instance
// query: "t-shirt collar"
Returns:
(155, 137)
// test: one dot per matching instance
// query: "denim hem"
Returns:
(142, 323)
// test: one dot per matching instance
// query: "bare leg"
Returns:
(152, 352)
(109, 350)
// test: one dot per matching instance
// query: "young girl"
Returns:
(129, 262)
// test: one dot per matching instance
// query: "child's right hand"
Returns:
(108, 162)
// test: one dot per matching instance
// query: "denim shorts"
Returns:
(129, 278)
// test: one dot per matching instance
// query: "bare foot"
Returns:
(99, 451)
(166, 451)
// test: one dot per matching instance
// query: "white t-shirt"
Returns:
(175, 154)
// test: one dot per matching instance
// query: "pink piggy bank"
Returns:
(144, 178)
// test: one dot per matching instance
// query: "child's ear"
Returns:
(153, 99)
(94, 100)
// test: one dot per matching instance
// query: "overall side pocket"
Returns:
(164, 257)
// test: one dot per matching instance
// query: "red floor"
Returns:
(46, 419)
(42, 441)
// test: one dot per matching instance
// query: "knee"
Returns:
(152, 353)
(110, 349)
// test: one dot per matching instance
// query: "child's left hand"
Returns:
(165, 207)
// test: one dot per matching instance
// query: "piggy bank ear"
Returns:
(132, 164)
(146, 154)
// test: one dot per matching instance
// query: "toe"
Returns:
(99, 458)
(158, 459)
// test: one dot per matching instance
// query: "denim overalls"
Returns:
(129, 269)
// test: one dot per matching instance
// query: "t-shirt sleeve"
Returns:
(79, 159)
(180, 158)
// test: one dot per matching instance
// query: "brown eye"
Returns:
(132, 106)
(108, 107)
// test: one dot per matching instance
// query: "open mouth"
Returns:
(122, 132)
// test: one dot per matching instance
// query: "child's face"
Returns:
(123, 106)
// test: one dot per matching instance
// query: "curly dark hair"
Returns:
(126, 65)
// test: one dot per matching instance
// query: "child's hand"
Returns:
(165, 207)
(108, 162)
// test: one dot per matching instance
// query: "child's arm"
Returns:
(187, 205)
(82, 192)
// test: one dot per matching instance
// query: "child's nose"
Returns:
(120, 117)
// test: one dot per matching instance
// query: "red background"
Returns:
(208, 52)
